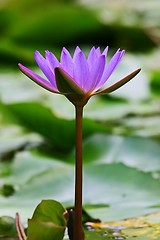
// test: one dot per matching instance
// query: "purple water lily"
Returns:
(77, 77)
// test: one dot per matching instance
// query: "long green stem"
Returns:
(78, 229)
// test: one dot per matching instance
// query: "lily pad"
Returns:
(122, 188)
(50, 126)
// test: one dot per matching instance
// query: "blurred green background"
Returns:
(121, 131)
(27, 25)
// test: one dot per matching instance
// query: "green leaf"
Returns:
(45, 18)
(135, 152)
(124, 173)
(50, 126)
(7, 227)
(47, 222)
(155, 82)
(14, 139)
(7, 190)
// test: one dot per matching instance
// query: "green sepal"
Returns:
(70, 89)
(48, 222)
(120, 83)
(65, 84)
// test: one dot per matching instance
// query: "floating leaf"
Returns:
(50, 126)
(124, 183)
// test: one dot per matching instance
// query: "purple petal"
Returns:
(44, 66)
(98, 51)
(51, 60)
(105, 52)
(80, 69)
(77, 51)
(95, 74)
(92, 57)
(66, 62)
(110, 67)
(37, 79)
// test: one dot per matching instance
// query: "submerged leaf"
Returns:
(144, 227)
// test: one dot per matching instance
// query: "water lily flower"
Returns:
(77, 77)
